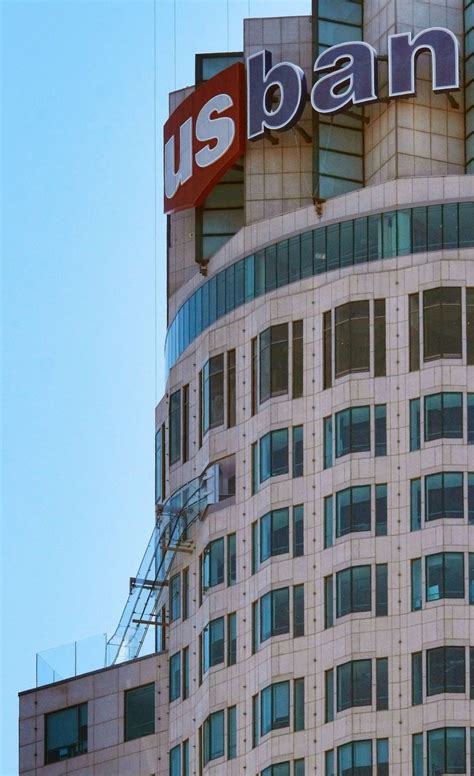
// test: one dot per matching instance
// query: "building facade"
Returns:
(311, 583)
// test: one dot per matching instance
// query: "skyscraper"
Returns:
(309, 581)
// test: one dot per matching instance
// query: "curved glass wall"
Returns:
(360, 240)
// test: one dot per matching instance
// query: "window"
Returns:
(354, 684)
(297, 365)
(380, 430)
(298, 531)
(213, 737)
(160, 473)
(415, 504)
(175, 677)
(470, 418)
(352, 350)
(353, 510)
(175, 597)
(352, 431)
(328, 522)
(270, 370)
(298, 705)
(327, 436)
(284, 769)
(445, 670)
(271, 614)
(379, 338)
(274, 454)
(212, 393)
(175, 761)
(213, 566)
(231, 389)
(327, 349)
(275, 707)
(353, 590)
(185, 594)
(381, 683)
(329, 695)
(414, 331)
(470, 325)
(416, 678)
(446, 751)
(231, 639)
(415, 432)
(185, 672)
(298, 459)
(442, 323)
(443, 416)
(382, 757)
(416, 594)
(355, 759)
(231, 559)
(66, 733)
(417, 754)
(213, 644)
(175, 427)
(329, 763)
(232, 732)
(274, 534)
(381, 510)
(381, 590)
(444, 496)
(185, 434)
(298, 610)
(139, 712)
(328, 602)
(444, 575)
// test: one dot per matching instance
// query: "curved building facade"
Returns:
(315, 616)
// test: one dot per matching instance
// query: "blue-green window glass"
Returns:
(403, 227)
(255, 547)
(175, 676)
(445, 670)
(470, 418)
(381, 510)
(319, 251)
(298, 611)
(274, 454)
(328, 522)
(294, 258)
(353, 510)
(139, 712)
(66, 733)
(231, 639)
(328, 602)
(298, 705)
(470, 498)
(416, 585)
(380, 429)
(213, 644)
(255, 721)
(275, 707)
(274, 534)
(298, 451)
(446, 751)
(444, 575)
(175, 427)
(354, 684)
(280, 769)
(382, 757)
(329, 694)
(213, 737)
(231, 560)
(352, 430)
(275, 613)
(175, 597)
(175, 761)
(254, 468)
(273, 362)
(416, 678)
(355, 758)
(382, 683)
(298, 531)
(353, 590)
(185, 672)
(443, 416)
(444, 496)
(417, 754)
(415, 504)
(231, 732)
(381, 590)
(347, 243)
(213, 564)
(471, 577)
(415, 432)
(185, 757)
(329, 763)
(298, 767)
(212, 392)
(466, 223)
(327, 433)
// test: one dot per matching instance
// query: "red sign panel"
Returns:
(203, 138)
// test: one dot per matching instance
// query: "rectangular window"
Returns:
(254, 375)
(298, 456)
(329, 763)
(66, 733)
(329, 687)
(417, 754)
(355, 758)
(444, 576)
(379, 338)
(470, 498)
(297, 359)
(381, 590)
(415, 428)
(232, 732)
(213, 644)
(185, 673)
(298, 705)
(416, 586)
(254, 467)
(255, 548)
(175, 597)
(273, 454)
(470, 326)
(380, 429)
(175, 427)
(352, 349)
(274, 613)
(275, 707)
(445, 670)
(231, 395)
(185, 439)
(328, 522)
(175, 676)
(442, 323)
(213, 737)
(381, 510)
(470, 418)
(139, 711)
(352, 431)
(414, 326)
(273, 361)
(160, 473)
(255, 721)
(175, 761)
(444, 496)
(327, 434)
(212, 381)
(231, 559)
(353, 590)
(327, 350)
(298, 611)
(354, 684)
(446, 751)
(382, 757)
(471, 677)
(443, 416)
(298, 531)
(274, 534)
(185, 757)
(231, 639)
(382, 683)
(328, 602)
(353, 510)
(213, 564)
(416, 678)
(415, 504)
(185, 594)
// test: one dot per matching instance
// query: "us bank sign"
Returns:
(208, 131)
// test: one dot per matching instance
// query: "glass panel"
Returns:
(381, 590)
(416, 678)
(415, 424)
(415, 504)
(380, 510)
(139, 712)
(298, 531)
(380, 430)
(328, 522)
(279, 459)
(416, 594)
(298, 458)
(327, 433)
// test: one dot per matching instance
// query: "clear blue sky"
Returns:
(78, 304)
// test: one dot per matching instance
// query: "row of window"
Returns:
(444, 495)
(443, 669)
(357, 430)
(354, 686)
(379, 236)
(444, 577)
(443, 418)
